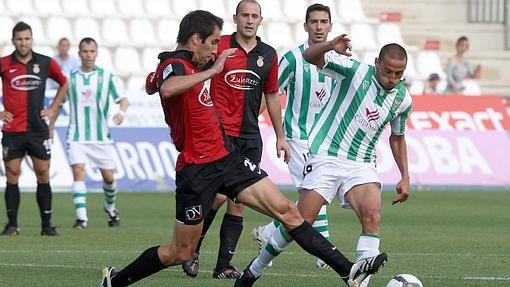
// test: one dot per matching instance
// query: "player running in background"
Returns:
(25, 130)
(88, 137)
(342, 143)
(250, 76)
(208, 162)
(307, 92)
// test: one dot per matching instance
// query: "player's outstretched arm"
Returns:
(176, 85)
(315, 53)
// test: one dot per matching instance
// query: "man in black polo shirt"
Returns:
(25, 129)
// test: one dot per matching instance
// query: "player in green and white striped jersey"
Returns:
(343, 138)
(307, 92)
(90, 91)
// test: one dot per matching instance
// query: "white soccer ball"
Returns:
(404, 280)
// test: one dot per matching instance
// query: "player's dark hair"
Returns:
(198, 21)
(393, 51)
(87, 40)
(62, 40)
(461, 39)
(248, 1)
(317, 7)
(21, 26)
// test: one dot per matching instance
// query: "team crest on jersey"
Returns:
(242, 79)
(204, 98)
(306, 67)
(260, 61)
(366, 85)
(396, 103)
(36, 69)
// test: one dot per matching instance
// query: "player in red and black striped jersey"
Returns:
(208, 162)
(25, 130)
(240, 92)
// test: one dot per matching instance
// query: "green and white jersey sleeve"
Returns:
(89, 97)
(307, 92)
(351, 123)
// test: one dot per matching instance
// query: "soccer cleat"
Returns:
(80, 224)
(246, 279)
(321, 264)
(258, 234)
(229, 272)
(49, 231)
(10, 230)
(365, 267)
(191, 267)
(113, 218)
(108, 273)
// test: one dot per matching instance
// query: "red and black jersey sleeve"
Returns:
(55, 73)
(271, 84)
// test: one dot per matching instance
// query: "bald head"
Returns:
(394, 52)
(242, 2)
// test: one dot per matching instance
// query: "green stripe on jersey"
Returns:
(306, 83)
(287, 121)
(340, 96)
(99, 116)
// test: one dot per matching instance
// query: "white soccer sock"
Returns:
(321, 223)
(110, 195)
(269, 229)
(79, 190)
(278, 242)
(368, 245)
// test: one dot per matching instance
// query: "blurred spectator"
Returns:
(431, 87)
(458, 68)
(66, 62)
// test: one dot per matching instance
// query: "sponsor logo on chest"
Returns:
(26, 82)
(368, 119)
(204, 97)
(242, 79)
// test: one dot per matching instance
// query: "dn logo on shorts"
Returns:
(193, 213)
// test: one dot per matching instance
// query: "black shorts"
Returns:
(16, 145)
(198, 184)
(250, 148)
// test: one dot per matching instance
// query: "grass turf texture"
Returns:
(443, 238)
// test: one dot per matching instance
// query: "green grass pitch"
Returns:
(459, 238)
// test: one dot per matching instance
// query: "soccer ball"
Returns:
(404, 280)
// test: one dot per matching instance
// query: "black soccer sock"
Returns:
(43, 195)
(145, 265)
(314, 243)
(12, 199)
(230, 231)
(208, 220)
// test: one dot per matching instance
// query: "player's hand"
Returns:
(342, 45)
(151, 86)
(118, 118)
(6, 117)
(402, 191)
(282, 146)
(48, 114)
(218, 65)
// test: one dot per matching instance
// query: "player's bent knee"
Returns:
(291, 216)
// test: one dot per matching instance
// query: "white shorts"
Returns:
(299, 153)
(332, 176)
(99, 155)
